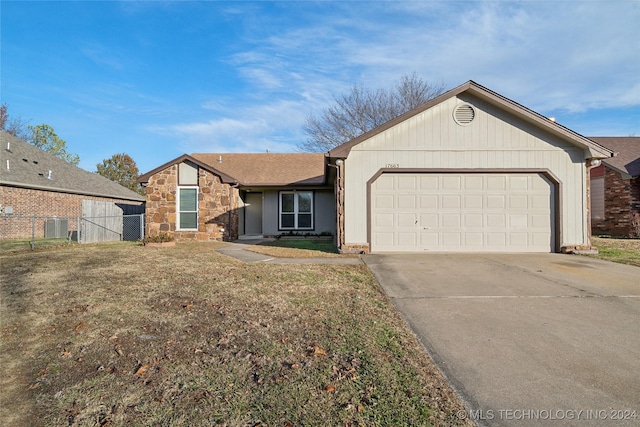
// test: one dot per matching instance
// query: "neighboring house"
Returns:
(615, 189)
(468, 171)
(34, 183)
(226, 196)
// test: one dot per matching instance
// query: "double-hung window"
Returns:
(296, 210)
(187, 202)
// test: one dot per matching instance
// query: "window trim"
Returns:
(296, 211)
(178, 211)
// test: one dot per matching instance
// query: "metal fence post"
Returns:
(78, 238)
(141, 226)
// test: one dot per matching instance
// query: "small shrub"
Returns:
(159, 238)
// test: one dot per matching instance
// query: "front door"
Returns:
(253, 214)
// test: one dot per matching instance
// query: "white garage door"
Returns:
(472, 212)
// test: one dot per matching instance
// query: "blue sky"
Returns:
(157, 79)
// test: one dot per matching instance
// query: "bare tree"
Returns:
(363, 109)
(16, 127)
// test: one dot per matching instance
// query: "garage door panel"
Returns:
(407, 182)
(406, 220)
(473, 221)
(474, 239)
(541, 202)
(518, 182)
(451, 240)
(473, 201)
(428, 220)
(495, 202)
(496, 240)
(496, 221)
(407, 201)
(519, 202)
(462, 212)
(407, 239)
(450, 201)
(428, 201)
(383, 201)
(519, 220)
(383, 220)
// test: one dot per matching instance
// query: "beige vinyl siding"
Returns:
(494, 140)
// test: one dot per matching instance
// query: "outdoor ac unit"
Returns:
(56, 228)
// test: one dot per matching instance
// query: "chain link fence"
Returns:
(22, 231)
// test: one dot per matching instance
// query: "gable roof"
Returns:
(257, 169)
(627, 149)
(596, 150)
(26, 166)
(227, 179)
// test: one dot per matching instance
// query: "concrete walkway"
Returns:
(526, 339)
(238, 250)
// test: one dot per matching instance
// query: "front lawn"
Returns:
(297, 248)
(625, 251)
(123, 334)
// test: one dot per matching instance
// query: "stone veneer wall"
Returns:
(621, 207)
(27, 202)
(217, 207)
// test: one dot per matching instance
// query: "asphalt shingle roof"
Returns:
(627, 149)
(26, 166)
(269, 169)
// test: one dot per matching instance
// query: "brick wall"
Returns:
(217, 207)
(621, 204)
(27, 203)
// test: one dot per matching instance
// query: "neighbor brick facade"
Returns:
(217, 207)
(621, 206)
(28, 203)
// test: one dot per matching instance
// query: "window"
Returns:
(296, 210)
(187, 208)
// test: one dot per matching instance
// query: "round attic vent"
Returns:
(464, 114)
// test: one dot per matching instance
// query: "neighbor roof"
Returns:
(26, 166)
(269, 169)
(595, 149)
(627, 149)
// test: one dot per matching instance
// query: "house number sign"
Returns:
(392, 165)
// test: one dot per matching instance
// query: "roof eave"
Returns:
(70, 191)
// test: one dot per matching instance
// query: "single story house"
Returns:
(34, 183)
(227, 196)
(615, 189)
(467, 171)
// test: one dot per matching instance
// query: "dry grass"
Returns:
(122, 334)
(625, 251)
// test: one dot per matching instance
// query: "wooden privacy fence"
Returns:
(105, 222)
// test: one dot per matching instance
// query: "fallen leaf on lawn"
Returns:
(65, 353)
(142, 369)
(329, 389)
(79, 326)
(318, 350)
(118, 350)
(34, 386)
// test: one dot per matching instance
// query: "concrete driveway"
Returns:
(526, 339)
